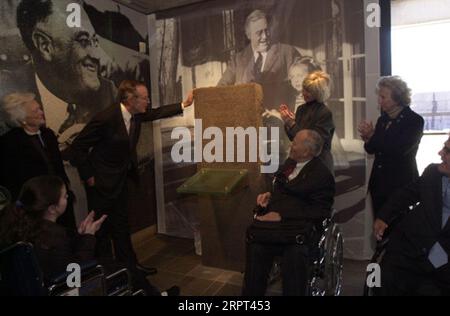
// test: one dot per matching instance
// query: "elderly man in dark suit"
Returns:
(262, 61)
(416, 258)
(302, 196)
(105, 155)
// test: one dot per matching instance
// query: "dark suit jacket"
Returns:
(395, 152)
(419, 229)
(56, 247)
(279, 58)
(102, 149)
(316, 116)
(306, 199)
(21, 160)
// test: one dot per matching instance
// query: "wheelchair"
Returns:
(20, 275)
(325, 262)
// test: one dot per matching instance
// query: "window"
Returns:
(420, 55)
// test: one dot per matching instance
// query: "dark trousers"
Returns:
(404, 276)
(294, 264)
(115, 228)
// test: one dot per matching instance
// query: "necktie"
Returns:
(289, 167)
(257, 68)
(133, 133)
(438, 256)
(70, 120)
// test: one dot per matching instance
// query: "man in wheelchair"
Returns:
(416, 257)
(285, 219)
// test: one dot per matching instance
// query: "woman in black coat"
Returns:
(394, 141)
(30, 149)
(314, 114)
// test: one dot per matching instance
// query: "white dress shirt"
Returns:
(298, 168)
(126, 117)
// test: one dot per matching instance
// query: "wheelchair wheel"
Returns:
(326, 269)
(334, 257)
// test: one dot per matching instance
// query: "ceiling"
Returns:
(151, 6)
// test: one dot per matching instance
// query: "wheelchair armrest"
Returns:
(86, 268)
(118, 283)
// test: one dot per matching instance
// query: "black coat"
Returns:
(102, 149)
(21, 160)
(421, 228)
(306, 199)
(56, 247)
(316, 116)
(395, 152)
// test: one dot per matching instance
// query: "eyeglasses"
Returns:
(85, 40)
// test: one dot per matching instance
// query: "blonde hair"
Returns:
(13, 106)
(318, 85)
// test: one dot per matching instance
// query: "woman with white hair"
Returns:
(29, 149)
(394, 141)
(314, 114)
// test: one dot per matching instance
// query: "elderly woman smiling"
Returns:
(29, 149)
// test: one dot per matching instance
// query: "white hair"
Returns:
(13, 106)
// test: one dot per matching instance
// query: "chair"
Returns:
(325, 262)
(20, 275)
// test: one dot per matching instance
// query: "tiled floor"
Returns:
(178, 264)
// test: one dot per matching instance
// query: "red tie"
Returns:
(289, 167)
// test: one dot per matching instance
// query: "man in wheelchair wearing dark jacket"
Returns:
(285, 219)
(416, 257)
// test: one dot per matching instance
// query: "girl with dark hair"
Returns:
(41, 202)
(33, 219)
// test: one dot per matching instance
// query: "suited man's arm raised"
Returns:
(168, 110)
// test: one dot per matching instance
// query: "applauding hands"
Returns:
(366, 130)
(287, 115)
(89, 226)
